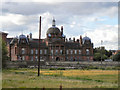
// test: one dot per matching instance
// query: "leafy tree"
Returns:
(116, 57)
(98, 52)
(4, 52)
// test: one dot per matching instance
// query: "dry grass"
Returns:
(27, 78)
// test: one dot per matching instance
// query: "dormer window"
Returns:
(87, 51)
(23, 41)
(23, 50)
(49, 35)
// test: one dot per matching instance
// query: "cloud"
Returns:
(76, 17)
(107, 33)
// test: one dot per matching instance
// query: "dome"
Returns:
(22, 37)
(86, 39)
(53, 30)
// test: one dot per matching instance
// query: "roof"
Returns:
(72, 45)
(35, 44)
(53, 30)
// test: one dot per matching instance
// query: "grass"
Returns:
(27, 78)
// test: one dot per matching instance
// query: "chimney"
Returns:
(61, 30)
(66, 40)
(69, 39)
(80, 40)
(30, 35)
(74, 39)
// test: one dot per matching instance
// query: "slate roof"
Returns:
(72, 45)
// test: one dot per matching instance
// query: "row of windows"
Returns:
(71, 51)
(32, 51)
(56, 51)
(67, 58)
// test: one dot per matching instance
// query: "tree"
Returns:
(4, 52)
(98, 52)
(116, 57)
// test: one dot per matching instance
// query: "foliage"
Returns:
(4, 53)
(98, 52)
(116, 57)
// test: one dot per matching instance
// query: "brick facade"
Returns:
(55, 47)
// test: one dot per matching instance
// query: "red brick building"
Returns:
(55, 47)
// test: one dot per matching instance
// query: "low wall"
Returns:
(82, 64)
(22, 64)
(58, 64)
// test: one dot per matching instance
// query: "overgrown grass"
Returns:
(27, 78)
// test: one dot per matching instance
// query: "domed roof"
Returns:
(22, 36)
(53, 30)
(86, 38)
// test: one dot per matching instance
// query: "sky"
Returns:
(97, 20)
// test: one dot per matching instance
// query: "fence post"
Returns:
(60, 87)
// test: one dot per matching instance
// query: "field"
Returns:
(27, 78)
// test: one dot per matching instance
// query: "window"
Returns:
(23, 41)
(51, 51)
(79, 51)
(36, 58)
(36, 51)
(87, 51)
(40, 51)
(31, 51)
(45, 51)
(61, 51)
(75, 51)
(23, 57)
(23, 50)
(56, 52)
(71, 51)
(67, 51)
(31, 58)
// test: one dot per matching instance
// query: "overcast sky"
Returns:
(97, 20)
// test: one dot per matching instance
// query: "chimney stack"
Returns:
(30, 35)
(69, 39)
(61, 30)
(74, 39)
(80, 40)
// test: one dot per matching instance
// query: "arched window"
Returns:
(23, 51)
(87, 51)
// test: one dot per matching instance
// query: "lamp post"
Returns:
(101, 51)
(39, 48)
